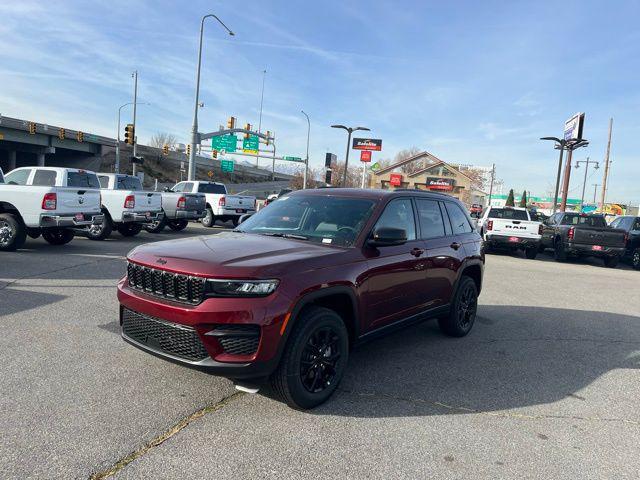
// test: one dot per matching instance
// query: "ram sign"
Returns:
(573, 127)
(374, 144)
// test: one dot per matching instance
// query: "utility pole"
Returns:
(584, 183)
(493, 175)
(606, 169)
(595, 191)
(135, 101)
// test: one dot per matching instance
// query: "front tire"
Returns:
(130, 229)
(209, 220)
(58, 236)
(635, 259)
(463, 310)
(13, 233)
(178, 225)
(314, 359)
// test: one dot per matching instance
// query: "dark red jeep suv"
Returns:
(286, 295)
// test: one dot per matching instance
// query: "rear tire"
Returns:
(314, 359)
(463, 310)
(102, 231)
(235, 221)
(178, 225)
(559, 253)
(58, 236)
(635, 259)
(130, 229)
(13, 233)
(209, 220)
(157, 226)
(611, 262)
(531, 253)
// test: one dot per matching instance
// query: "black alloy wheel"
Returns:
(463, 310)
(320, 360)
(635, 259)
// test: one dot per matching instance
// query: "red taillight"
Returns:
(490, 225)
(222, 202)
(571, 233)
(182, 202)
(130, 201)
(540, 229)
(50, 201)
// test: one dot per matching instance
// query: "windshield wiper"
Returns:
(286, 235)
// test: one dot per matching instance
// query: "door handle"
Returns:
(416, 252)
(455, 245)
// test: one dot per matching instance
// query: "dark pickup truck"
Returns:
(631, 225)
(581, 235)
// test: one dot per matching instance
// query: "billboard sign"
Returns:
(573, 127)
(395, 179)
(365, 156)
(443, 184)
(373, 144)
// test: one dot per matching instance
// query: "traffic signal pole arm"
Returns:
(219, 133)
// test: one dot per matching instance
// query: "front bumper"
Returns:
(70, 221)
(189, 214)
(588, 251)
(507, 241)
(142, 217)
(212, 315)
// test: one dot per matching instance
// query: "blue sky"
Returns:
(471, 82)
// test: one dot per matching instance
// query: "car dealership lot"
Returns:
(546, 385)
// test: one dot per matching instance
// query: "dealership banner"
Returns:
(445, 184)
(573, 127)
(374, 144)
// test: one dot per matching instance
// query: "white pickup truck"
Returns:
(510, 228)
(220, 205)
(46, 201)
(125, 205)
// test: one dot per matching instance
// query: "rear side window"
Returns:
(211, 188)
(82, 179)
(104, 181)
(399, 214)
(589, 221)
(18, 177)
(459, 222)
(1, 177)
(430, 216)
(508, 213)
(44, 178)
(129, 183)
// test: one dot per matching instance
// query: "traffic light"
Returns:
(247, 126)
(129, 134)
(214, 154)
(80, 136)
(188, 149)
(268, 137)
(61, 134)
(231, 123)
(165, 149)
(32, 128)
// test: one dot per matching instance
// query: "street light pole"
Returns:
(571, 146)
(584, 183)
(560, 144)
(306, 160)
(264, 74)
(350, 130)
(194, 127)
(135, 101)
(117, 166)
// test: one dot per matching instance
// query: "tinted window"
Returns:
(623, 223)
(1, 177)
(187, 187)
(104, 181)
(508, 213)
(82, 179)
(18, 177)
(44, 178)
(430, 216)
(399, 214)
(211, 188)
(128, 183)
(636, 225)
(459, 222)
(589, 221)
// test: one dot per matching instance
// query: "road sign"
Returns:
(251, 144)
(210, 174)
(375, 167)
(224, 142)
(374, 144)
(293, 159)
(365, 156)
(182, 167)
(227, 165)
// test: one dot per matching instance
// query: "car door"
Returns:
(394, 282)
(442, 260)
(464, 240)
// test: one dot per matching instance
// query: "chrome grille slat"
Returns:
(161, 283)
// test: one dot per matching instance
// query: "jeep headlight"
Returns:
(240, 288)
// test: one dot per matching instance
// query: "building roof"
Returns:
(409, 160)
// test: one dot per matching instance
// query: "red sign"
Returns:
(365, 156)
(445, 184)
(395, 179)
(374, 144)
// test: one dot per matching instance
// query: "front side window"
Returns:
(187, 187)
(44, 178)
(82, 179)
(459, 222)
(431, 222)
(18, 177)
(399, 214)
(322, 219)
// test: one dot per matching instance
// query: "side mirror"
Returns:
(244, 217)
(387, 237)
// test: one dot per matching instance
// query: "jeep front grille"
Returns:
(173, 286)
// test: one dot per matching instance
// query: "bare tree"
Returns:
(478, 178)
(160, 139)
(411, 166)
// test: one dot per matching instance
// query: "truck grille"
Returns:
(164, 337)
(173, 286)
(237, 339)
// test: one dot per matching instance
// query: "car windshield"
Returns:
(322, 219)
(586, 220)
(82, 179)
(211, 188)
(508, 213)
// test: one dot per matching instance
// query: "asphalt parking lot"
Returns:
(545, 386)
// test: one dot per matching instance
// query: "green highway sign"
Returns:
(227, 165)
(224, 142)
(293, 159)
(251, 144)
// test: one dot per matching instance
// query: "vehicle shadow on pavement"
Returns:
(514, 357)
(19, 300)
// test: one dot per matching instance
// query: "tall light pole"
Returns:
(135, 101)
(595, 191)
(117, 167)
(584, 183)
(306, 160)
(562, 145)
(571, 146)
(195, 140)
(350, 130)
(264, 74)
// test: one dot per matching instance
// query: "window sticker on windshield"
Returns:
(327, 240)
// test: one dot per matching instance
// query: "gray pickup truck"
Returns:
(580, 235)
(178, 208)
